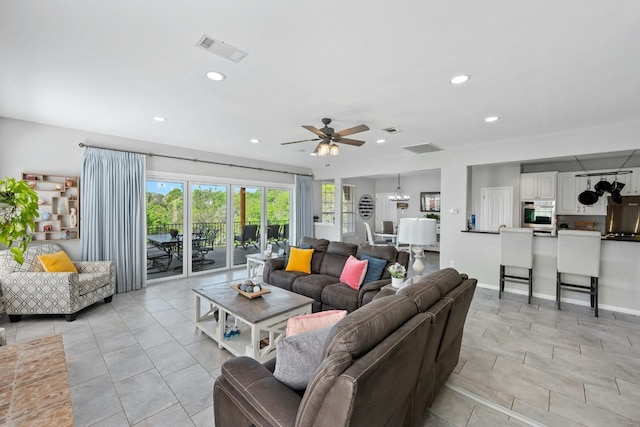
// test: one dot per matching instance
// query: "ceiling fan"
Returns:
(328, 138)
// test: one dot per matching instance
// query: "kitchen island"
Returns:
(619, 284)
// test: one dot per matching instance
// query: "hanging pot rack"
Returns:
(604, 173)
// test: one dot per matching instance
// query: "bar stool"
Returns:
(516, 250)
(579, 253)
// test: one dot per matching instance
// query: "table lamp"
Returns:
(417, 232)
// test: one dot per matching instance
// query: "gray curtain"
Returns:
(304, 207)
(113, 217)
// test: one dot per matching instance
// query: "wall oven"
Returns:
(539, 215)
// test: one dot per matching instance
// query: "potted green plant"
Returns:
(433, 216)
(18, 211)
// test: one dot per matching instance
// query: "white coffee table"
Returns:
(258, 318)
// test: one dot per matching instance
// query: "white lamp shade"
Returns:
(417, 231)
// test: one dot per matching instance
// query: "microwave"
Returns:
(539, 215)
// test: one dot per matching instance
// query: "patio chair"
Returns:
(249, 236)
(284, 234)
(157, 259)
(202, 244)
(273, 233)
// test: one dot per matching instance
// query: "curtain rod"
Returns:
(211, 162)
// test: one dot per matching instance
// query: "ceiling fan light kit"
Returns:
(328, 138)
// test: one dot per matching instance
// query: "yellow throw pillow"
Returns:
(300, 260)
(57, 263)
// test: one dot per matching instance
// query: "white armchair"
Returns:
(28, 289)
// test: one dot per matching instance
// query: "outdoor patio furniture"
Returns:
(273, 233)
(249, 236)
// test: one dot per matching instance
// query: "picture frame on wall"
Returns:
(430, 202)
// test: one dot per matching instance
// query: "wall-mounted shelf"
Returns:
(59, 202)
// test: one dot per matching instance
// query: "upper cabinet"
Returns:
(59, 206)
(631, 182)
(569, 188)
(538, 186)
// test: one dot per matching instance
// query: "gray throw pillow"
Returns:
(299, 356)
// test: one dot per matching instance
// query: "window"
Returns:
(328, 202)
(348, 209)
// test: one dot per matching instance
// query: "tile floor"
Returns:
(140, 361)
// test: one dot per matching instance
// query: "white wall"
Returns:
(34, 147)
(505, 175)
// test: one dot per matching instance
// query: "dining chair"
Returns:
(370, 239)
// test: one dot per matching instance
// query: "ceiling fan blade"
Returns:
(353, 130)
(316, 131)
(302, 140)
(349, 141)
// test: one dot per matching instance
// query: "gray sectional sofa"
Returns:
(327, 262)
(382, 365)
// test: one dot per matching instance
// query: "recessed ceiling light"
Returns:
(491, 119)
(159, 119)
(380, 141)
(458, 80)
(313, 153)
(255, 141)
(216, 76)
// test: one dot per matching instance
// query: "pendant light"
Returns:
(323, 149)
(333, 150)
(398, 195)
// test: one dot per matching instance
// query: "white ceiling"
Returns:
(109, 66)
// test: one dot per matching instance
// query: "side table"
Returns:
(255, 263)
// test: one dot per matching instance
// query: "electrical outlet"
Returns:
(452, 264)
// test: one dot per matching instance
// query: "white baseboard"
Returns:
(564, 299)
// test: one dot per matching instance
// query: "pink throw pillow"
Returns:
(309, 322)
(353, 272)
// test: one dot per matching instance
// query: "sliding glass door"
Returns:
(194, 227)
(165, 212)
(208, 226)
(247, 214)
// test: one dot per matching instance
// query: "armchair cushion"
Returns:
(299, 356)
(58, 262)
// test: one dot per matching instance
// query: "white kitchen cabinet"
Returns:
(569, 188)
(631, 182)
(538, 186)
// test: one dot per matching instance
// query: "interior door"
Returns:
(496, 208)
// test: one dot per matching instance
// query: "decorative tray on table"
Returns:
(250, 295)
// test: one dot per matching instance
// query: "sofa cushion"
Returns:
(375, 268)
(424, 294)
(335, 257)
(319, 247)
(299, 356)
(445, 280)
(353, 272)
(300, 260)
(312, 285)
(284, 279)
(366, 327)
(58, 262)
(310, 322)
(340, 296)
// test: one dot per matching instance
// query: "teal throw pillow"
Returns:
(375, 268)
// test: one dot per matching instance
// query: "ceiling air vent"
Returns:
(391, 130)
(423, 148)
(220, 48)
